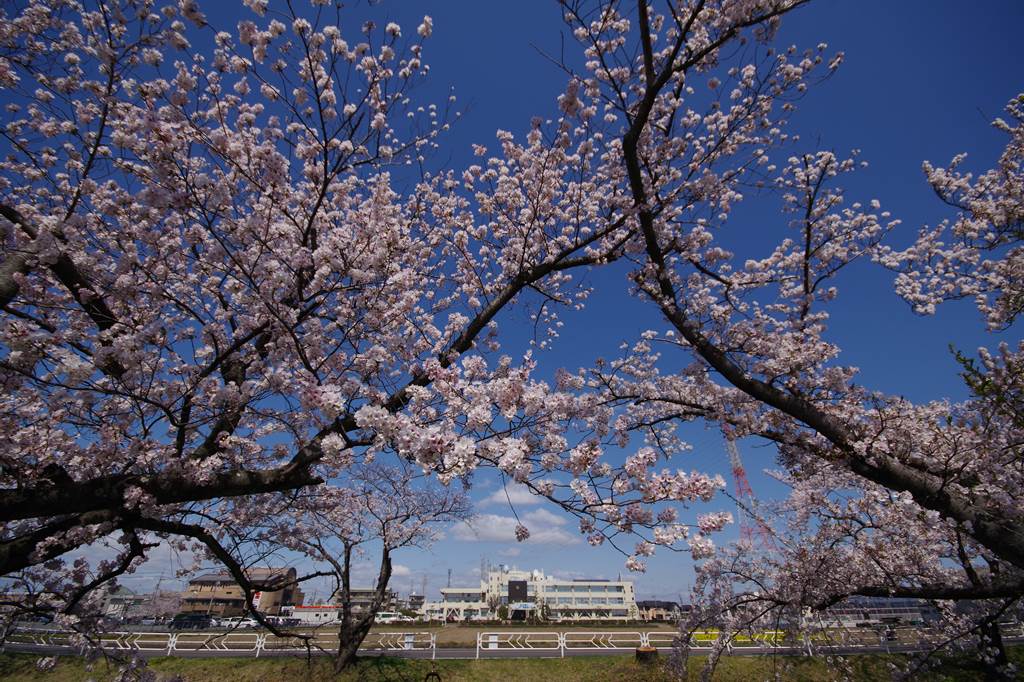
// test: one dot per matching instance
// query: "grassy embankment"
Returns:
(18, 668)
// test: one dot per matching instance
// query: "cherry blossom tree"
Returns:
(761, 368)
(381, 510)
(333, 531)
(215, 296)
(890, 497)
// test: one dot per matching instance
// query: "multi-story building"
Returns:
(416, 601)
(218, 594)
(361, 597)
(531, 594)
(325, 614)
(124, 604)
(657, 610)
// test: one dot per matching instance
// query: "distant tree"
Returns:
(543, 610)
(493, 602)
(380, 510)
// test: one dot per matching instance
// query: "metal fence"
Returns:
(240, 643)
(506, 643)
(488, 644)
(769, 641)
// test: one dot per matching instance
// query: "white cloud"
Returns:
(518, 494)
(509, 552)
(543, 516)
(545, 528)
(162, 565)
(400, 571)
(365, 571)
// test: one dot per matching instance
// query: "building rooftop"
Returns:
(252, 573)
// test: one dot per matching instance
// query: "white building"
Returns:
(531, 593)
(360, 599)
(315, 614)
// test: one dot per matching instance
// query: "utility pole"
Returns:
(449, 577)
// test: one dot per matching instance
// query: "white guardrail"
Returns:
(823, 642)
(493, 642)
(242, 643)
(487, 643)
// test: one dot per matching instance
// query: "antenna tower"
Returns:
(751, 523)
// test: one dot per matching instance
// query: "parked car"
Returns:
(238, 622)
(191, 621)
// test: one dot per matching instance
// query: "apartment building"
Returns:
(327, 614)
(656, 610)
(532, 594)
(362, 597)
(124, 604)
(219, 595)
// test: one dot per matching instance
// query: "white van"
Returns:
(387, 617)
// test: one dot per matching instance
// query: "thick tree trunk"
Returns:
(352, 631)
(349, 640)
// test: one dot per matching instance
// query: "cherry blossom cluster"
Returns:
(979, 254)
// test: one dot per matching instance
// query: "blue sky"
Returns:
(921, 80)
